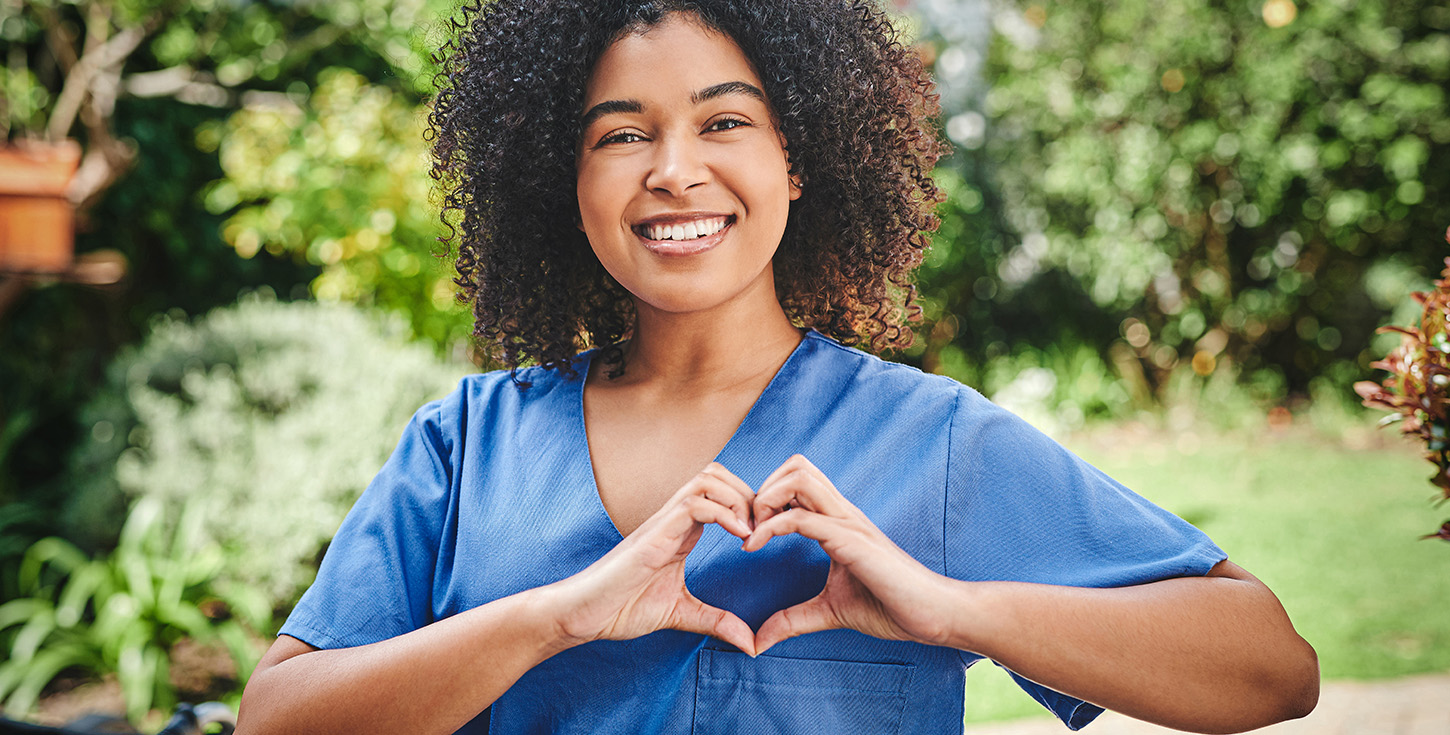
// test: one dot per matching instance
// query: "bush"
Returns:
(338, 184)
(1238, 183)
(122, 613)
(274, 415)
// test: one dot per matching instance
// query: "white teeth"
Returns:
(687, 231)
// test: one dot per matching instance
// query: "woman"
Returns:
(721, 522)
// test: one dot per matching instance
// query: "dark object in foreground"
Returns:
(211, 717)
(1417, 390)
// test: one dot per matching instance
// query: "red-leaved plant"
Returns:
(1417, 390)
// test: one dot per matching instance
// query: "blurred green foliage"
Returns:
(1165, 182)
(344, 184)
(272, 416)
(199, 63)
(122, 613)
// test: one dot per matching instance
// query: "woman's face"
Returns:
(683, 182)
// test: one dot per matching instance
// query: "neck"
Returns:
(718, 348)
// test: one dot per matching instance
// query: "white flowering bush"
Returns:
(274, 415)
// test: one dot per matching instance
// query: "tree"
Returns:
(1202, 187)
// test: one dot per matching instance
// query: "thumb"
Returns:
(808, 617)
(693, 616)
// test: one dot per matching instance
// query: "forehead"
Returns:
(677, 56)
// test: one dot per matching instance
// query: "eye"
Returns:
(726, 123)
(620, 137)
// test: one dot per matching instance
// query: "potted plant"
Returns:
(36, 217)
(1417, 389)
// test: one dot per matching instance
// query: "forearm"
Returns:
(1213, 654)
(432, 680)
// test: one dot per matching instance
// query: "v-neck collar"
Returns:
(584, 362)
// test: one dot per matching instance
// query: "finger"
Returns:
(722, 486)
(715, 469)
(815, 526)
(694, 503)
(808, 617)
(791, 464)
(703, 509)
(693, 616)
(804, 487)
(781, 494)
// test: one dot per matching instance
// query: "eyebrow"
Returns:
(727, 88)
(609, 107)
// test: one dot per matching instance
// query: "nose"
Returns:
(678, 165)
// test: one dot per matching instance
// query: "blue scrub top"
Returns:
(491, 492)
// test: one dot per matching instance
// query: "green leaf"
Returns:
(136, 672)
(119, 615)
(144, 519)
(186, 617)
(11, 672)
(56, 551)
(242, 648)
(84, 585)
(137, 573)
(248, 604)
(31, 635)
(39, 672)
(21, 610)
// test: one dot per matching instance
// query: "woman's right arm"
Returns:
(438, 677)
(434, 679)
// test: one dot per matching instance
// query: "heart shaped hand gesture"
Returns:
(873, 586)
(639, 586)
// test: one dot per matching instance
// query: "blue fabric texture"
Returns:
(491, 492)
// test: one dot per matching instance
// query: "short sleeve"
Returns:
(1020, 507)
(376, 579)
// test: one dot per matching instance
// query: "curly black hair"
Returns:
(856, 108)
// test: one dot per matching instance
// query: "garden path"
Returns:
(1414, 705)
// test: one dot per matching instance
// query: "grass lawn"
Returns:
(1331, 525)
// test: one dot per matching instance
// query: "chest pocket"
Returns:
(768, 695)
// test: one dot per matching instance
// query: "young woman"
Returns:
(723, 519)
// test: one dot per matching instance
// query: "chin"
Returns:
(680, 303)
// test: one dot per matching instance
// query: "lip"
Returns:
(679, 218)
(682, 248)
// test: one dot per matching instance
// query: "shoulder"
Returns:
(890, 398)
(497, 397)
(882, 380)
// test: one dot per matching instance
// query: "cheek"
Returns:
(597, 208)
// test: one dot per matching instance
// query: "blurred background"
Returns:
(1172, 230)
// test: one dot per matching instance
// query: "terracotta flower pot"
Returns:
(37, 221)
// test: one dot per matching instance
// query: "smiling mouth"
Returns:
(683, 231)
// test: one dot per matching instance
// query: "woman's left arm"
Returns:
(1204, 654)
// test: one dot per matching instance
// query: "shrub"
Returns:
(337, 183)
(121, 613)
(274, 415)
(1225, 176)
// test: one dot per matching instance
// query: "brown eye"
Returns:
(728, 123)
(624, 136)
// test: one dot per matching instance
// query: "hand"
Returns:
(872, 586)
(639, 586)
